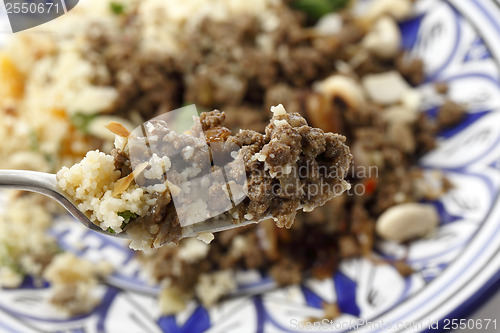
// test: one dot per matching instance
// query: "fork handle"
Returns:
(46, 184)
(39, 182)
(33, 181)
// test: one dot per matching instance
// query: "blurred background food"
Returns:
(337, 63)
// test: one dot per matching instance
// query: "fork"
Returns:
(46, 184)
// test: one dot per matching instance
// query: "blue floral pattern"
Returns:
(452, 38)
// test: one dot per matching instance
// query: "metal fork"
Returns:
(46, 184)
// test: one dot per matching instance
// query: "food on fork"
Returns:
(157, 181)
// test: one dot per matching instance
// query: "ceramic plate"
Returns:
(459, 41)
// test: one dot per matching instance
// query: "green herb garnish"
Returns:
(117, 8)
(34, 142)
(82, 121)
(127, 216)
(8, 259)
(315, 9)
(51, 161)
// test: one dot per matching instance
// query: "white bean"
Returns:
(93, 99)
(412, 99)
(385, 88)
(407, 221)
(343, 87)
(384, 39)
(399, 114)
(329, 24)
(399, 9)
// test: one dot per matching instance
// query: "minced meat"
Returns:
(292, 166)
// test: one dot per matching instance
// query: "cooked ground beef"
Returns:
(244, 66)
(449, 115)
(147, 84)
(227, 55)
(412, 69)
(441, 88)
(291, 166)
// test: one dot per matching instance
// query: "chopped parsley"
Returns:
(34, 141)
(315, 9)
(51, 162)
(82, 121)
(7, 259)
(117, 8)
(127, 216)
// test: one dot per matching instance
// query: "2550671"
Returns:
(32, 7)
(472, 324)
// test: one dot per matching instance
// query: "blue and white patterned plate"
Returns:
(459, 41)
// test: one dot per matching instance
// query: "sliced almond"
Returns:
(98, 127)
(174, 189)
(123, 184)
(206, 237)
(118, 129)
(140, 168)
